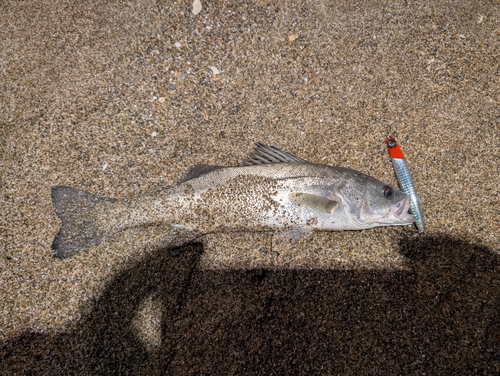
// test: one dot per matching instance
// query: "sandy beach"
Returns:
(122, 98)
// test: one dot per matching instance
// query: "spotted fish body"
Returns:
(273, 191)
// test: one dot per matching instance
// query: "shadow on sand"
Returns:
(439, 317)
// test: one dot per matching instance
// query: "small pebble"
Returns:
(161, 99)
(196, 7)
(154, 134)
(178, 44)
(214, 70)
(292, 37)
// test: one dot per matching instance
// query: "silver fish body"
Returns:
(274, 191)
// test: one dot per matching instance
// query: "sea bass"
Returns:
(271, 191)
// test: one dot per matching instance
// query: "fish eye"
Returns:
(391, 143)
(388, 192)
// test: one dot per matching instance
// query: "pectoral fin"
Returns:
(313, 202)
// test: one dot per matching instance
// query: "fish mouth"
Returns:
(397, 215)
(401, 210)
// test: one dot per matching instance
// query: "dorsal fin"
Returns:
(263, 154)
(198, 170)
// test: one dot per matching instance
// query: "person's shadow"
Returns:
(439, 316)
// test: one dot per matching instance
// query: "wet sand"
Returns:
(122, 99)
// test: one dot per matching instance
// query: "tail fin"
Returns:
(80, 228)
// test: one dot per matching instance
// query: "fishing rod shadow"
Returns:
(439, 315)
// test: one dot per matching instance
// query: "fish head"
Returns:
(384, 205)
(372, 203)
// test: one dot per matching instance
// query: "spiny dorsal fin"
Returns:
(199, 170)
(263, 154)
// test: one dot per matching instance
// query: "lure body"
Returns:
(405, 181)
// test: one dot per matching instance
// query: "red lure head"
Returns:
(393, 148)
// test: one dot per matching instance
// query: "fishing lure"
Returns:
(405, 181)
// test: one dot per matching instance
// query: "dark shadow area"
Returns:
(438, 317)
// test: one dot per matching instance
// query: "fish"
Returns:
(271, 190)
(405, 180)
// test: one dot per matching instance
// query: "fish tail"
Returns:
(79, 213)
